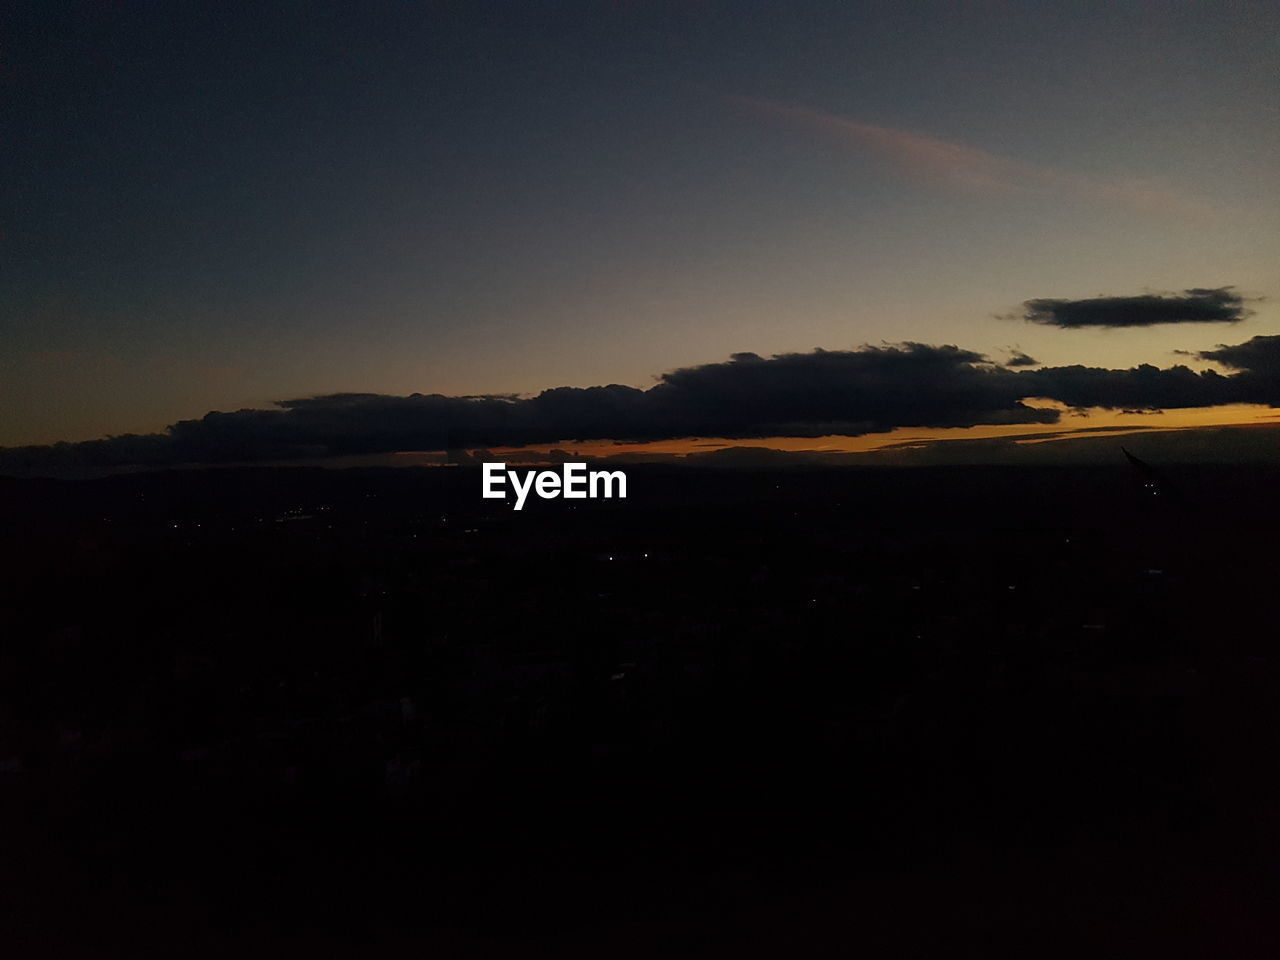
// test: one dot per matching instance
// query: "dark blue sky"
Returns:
(216, 206)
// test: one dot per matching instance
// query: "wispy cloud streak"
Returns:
(967, 167)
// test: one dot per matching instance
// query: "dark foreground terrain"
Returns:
(965, 711)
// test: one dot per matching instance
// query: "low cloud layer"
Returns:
(853, 392)
(1198, 305)
(1260, 353)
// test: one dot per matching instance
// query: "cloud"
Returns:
(1146, 387)
(870, 390)
(801, 394)
(967, 167)
(1141, 387)
(1261, 354)
(1020, 359)
(844, 392)
(1197, 305)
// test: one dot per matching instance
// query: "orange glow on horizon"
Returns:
(1098, 422)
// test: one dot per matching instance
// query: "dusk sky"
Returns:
(217, 207)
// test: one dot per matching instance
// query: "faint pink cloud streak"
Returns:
(960, 165)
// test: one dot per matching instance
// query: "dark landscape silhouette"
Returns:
(895, 708)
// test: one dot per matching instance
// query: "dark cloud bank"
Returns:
(855, 392)
(1197, 305)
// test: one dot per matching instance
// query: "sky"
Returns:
(213, 207)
